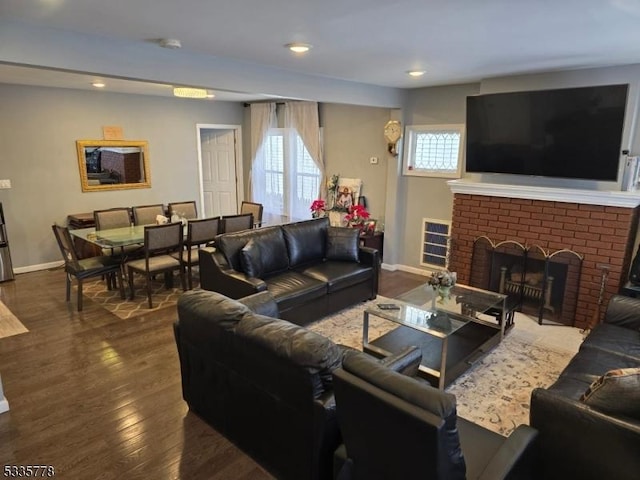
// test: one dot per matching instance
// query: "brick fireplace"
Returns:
(601, 226)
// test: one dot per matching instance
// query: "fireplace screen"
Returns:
(540, 283)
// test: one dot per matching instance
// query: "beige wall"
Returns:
(352, 135)
(38, 130)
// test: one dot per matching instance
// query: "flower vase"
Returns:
(443, 293)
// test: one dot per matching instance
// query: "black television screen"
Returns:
(566, 133)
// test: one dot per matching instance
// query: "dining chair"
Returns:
(253, 208)
(199, 232)
(146, 214)
(160, 241)
(91, 267)
(112, 218)
(236, 223)
(118, 217)
(186, 210)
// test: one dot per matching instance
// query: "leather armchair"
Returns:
(394, 426)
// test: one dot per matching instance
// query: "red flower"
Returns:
(318, 205)
(357, 215)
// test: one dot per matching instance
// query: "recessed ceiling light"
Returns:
(210, 95)
(189, 92)
(416, 73)
(99, 84)
(298, 47)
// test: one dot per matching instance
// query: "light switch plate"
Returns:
(373, 160)
(6, 183)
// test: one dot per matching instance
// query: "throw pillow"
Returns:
(343, 244)
(251, 259)
(616, 392)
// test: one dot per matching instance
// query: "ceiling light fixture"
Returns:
(99, 84)
(189, 92)
(210, 95)
(298, 47)
(171, 43)
(416, 73)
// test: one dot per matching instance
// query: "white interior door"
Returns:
(219, 174)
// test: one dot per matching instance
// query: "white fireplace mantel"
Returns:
(554, 194)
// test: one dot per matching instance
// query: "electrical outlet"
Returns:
(5, 183)
(373, 160)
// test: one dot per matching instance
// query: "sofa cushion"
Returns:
(306, 241)
(587, 366)
(343, 244)
(291, 288)
(616, 392)
(310, 350)
(272, 248)
(251, 259)
(339, 275)
(615, 339)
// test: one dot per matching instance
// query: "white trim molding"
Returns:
(569, 195)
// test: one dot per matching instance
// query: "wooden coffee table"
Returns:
(452, 337)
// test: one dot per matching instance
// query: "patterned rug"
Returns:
(495, 392)
(110, 299)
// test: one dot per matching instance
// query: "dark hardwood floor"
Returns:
(98, 397)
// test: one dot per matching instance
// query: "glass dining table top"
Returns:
(114, 237)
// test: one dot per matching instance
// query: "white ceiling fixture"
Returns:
(189, 92)
(171, 43)
(99, 84)
(416, 73)
(298, 47)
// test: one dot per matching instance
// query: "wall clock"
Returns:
(392, 133)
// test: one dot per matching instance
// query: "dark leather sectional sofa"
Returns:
(310, 268)
(595, 436)
(264, 383)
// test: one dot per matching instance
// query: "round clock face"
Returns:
(393, 131)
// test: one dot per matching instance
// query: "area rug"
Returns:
(496, 391)
(110, 299)
(9, 323)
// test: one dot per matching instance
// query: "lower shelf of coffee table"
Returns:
(466, 346)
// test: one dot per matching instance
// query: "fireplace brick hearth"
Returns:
(602, 234)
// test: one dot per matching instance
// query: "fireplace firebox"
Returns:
(539, 283)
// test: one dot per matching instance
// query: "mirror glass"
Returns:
(113, 164)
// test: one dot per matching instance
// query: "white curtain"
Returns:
(303, 118)
(263, 118)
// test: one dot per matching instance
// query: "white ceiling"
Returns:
(372, 42)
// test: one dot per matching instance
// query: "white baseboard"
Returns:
(406, 268)
(35, 268)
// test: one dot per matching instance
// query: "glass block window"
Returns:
(434, 150)
(436, 235)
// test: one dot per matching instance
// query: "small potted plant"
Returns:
(441, 282)
(357, 216)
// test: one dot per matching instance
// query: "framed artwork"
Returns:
(346, 193)
(370, 227)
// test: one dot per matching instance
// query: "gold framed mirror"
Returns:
(113, 164)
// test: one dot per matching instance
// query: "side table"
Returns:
(374, 240)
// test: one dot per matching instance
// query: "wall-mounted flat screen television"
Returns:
(565, 133)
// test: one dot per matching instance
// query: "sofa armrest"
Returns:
(577, 441)
(369, 256)
(623, 312)
(217, 276)
(261, 303)
(516, 454)
(406, 362)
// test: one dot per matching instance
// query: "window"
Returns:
(292, 180)
(436, 235)
(433, 150)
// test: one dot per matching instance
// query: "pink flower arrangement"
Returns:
(318, 207)
(357, 215)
